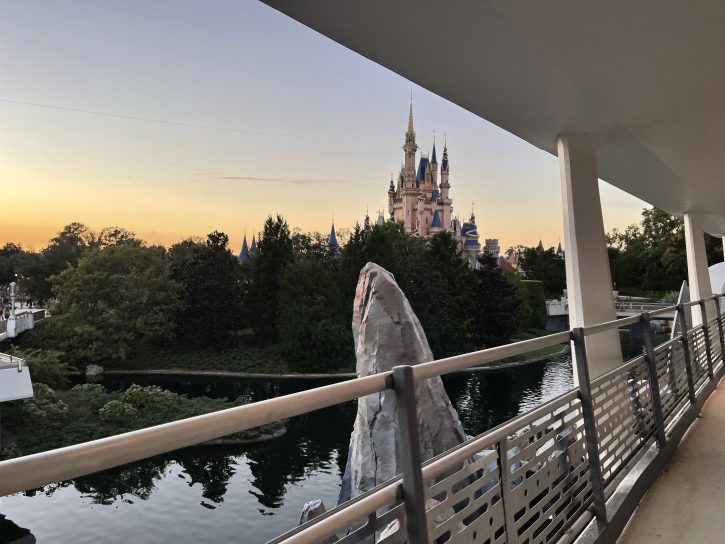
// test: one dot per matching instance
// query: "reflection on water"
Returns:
(247, 493)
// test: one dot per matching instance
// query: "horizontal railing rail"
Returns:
(533, 478)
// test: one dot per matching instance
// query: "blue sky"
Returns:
(259, 115)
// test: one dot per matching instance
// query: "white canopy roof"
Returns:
(647, 77)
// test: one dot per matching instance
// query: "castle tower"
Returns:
(410, 189)
(434, 166)
(445, 200)
(391, 196)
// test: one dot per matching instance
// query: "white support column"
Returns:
(588, 279)
(698, 275)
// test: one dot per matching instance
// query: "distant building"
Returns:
(247, 252)
(492, 248)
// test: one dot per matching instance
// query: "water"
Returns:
(247, 494)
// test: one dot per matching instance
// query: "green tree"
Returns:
(313, 333)
(212, 290)
(546, 267)
(274, 252)
(112, 298)
(497, 308)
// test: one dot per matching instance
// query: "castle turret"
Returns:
(410, 188)
(444, 199)
(244, 253)
(332, 242)
(391, 196)
(434, 166)
(253, 249)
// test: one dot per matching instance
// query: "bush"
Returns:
(45, 409)
(118, 413)
(45, 366)
(152, 397)
(92, 395)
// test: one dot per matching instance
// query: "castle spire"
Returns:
(244, 253)
(410, 115)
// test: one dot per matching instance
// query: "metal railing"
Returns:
(547, 475)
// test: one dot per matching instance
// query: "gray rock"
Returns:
(310, 511)
(94, 373)
(387, 333)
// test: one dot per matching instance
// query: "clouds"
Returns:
(290, 181)
(226, 179)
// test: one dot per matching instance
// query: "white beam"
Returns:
(588, 279)
(698, 275)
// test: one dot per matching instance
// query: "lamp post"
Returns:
(13, 292)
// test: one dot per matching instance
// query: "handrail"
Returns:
(39, 469)
(31, 471)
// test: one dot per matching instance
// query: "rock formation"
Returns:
(387, 333)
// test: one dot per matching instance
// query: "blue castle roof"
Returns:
(253, 249)
(332, 240)
(422, 165)
(433, 159)
(469, 229)
(436, 223)
(244, 253)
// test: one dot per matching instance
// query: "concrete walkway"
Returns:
(687, 502)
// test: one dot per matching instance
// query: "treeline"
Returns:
(646, 259)
(113, 290)
(651, 257)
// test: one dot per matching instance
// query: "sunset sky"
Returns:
(174, 119)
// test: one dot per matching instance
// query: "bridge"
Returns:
(19, 322)
(557, 311)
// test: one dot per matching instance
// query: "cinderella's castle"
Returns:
(422, 202)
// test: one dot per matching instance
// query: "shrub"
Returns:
(118, 413)
(91, 395)
(45, 409)
(45, 366)
(152, 397)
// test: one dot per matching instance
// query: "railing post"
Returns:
(720, 329)
(508, 514)
(686, 353)
(706, 333)
(590, 424)
(654, 381)
(409, 449)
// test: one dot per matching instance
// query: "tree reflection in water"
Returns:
(314, 443)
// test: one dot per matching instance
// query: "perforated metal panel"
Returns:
(530, 497)
(698, 355)
(624, 415)
(671, 376)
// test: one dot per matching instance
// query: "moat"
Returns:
(221, 494)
